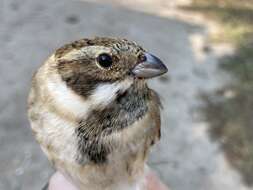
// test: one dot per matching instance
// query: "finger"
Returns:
(154, 183)
(59, 182)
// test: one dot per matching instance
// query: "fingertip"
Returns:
(154, 183)
(59, 182)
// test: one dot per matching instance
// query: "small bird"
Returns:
(93, 114)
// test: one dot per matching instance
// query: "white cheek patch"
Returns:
(106, 93)
(67, 99)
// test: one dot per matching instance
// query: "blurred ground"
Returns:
(229, 110)
(186, 159)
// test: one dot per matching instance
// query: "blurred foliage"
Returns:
(230, 110)
(235, 17)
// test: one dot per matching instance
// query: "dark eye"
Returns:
(104, 60)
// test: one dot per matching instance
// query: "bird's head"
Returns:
(88, 63)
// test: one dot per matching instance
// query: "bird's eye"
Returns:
(104, 60)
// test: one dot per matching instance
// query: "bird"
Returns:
(92, 112)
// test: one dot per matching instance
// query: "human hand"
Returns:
(59, 182)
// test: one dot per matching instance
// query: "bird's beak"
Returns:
(151, 67)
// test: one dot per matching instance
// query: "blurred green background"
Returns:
(232, 117)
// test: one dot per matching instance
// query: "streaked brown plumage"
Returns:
(93, 113)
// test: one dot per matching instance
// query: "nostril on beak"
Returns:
(151, 67)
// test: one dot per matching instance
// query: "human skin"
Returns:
(58, 182)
